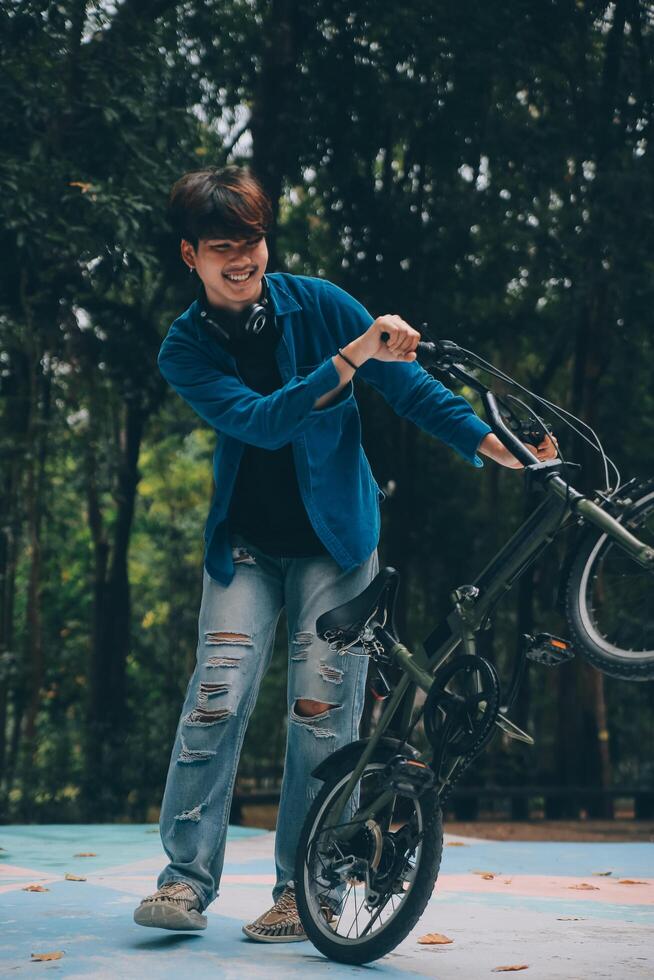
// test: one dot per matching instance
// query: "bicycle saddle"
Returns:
(349, 619)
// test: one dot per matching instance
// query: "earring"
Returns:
(191, 269)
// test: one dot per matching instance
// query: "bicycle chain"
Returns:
(468, 759)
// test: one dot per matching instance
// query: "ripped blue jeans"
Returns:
(236, 636)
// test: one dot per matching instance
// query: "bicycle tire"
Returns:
(597, 648)
(407, 915)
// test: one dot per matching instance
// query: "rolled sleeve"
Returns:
(414, 394)
(470, 433)
(229, 406)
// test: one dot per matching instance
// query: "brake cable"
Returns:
(556, 410)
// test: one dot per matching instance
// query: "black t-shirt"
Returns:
(266, 506)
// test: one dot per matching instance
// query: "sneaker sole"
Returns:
(165, 915)
(274, 939)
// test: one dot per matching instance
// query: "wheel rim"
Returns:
(354, 924)
(616, 593)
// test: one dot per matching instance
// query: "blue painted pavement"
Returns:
(528, 910)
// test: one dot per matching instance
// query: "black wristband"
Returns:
(347, 360)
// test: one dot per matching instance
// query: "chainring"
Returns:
(463, 714)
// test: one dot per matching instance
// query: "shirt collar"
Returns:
(282, 301)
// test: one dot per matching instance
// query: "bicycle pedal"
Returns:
(410, 777)
(511, 729)
(544, 648)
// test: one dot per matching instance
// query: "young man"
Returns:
(268, 362)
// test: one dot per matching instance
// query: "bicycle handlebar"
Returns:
(504, 434)
(438, 349)
(447, 355)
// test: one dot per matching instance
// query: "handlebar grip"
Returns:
(428, 349)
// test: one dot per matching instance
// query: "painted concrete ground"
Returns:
(530, 912)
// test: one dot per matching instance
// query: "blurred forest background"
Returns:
(486, 168)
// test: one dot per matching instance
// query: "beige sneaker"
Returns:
(174, 906)
(281, 923)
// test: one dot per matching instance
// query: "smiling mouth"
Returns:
(238, 277)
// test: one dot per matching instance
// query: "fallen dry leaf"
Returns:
(585, 887)
(631, 881)
(69, 877)
(35, 888)
(601, 874)
(83, 186)
(455, 843)
(435, 939)
(90, 854)
(42, 957)
(484, 873)
(507, 881)
(510, 969)
(488, 877)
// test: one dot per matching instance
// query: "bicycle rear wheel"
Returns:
(405, 845)
(610, 598)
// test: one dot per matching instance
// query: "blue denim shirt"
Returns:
(334, 476)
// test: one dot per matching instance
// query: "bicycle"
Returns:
(370, 849)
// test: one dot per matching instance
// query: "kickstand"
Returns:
(511, 729)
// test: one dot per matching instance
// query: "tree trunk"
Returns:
(111, 629)
(582, 718)
(16, 386)
(273, 117)
(35, 661)
(604, 808)
(400, 509)
(521, 708)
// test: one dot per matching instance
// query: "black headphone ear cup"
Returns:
(256, 319)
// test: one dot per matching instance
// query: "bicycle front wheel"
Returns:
(610, 598)
(358, 900)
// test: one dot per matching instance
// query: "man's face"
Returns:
(230, 269)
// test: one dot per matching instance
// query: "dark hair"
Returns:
(227, 202)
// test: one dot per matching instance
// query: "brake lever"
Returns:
(529, 431)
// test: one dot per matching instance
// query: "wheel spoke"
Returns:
(380, 908)
(354, 921)
(347, 896)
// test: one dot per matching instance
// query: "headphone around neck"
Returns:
(255, 320)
